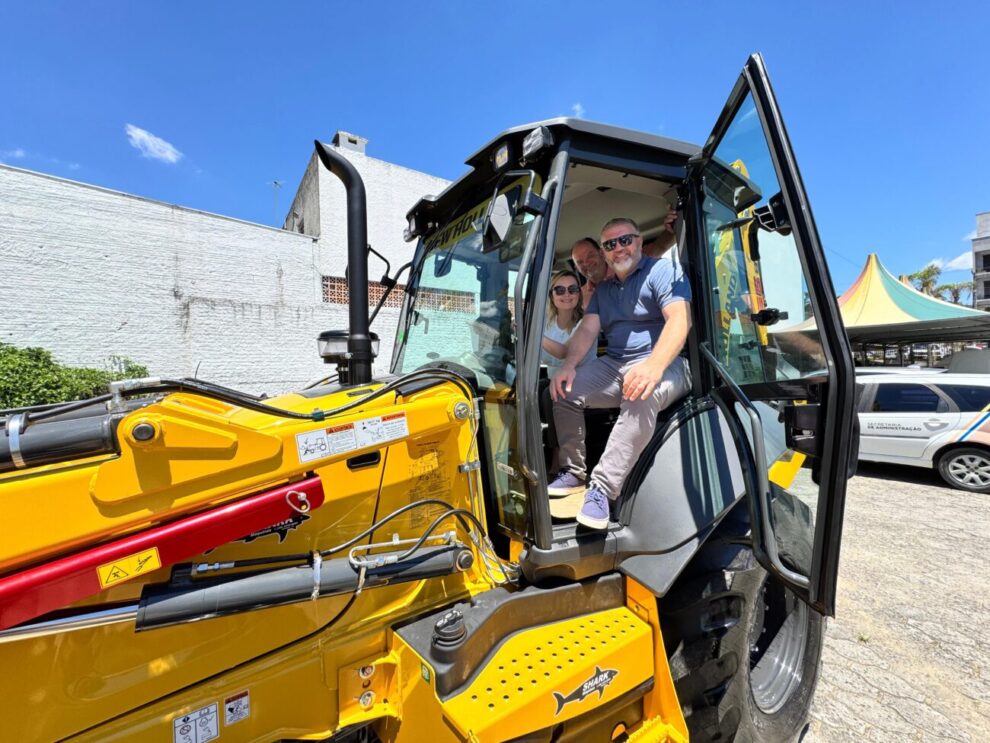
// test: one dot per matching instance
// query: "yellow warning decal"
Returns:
(125, 568)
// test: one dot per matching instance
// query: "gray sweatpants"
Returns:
(598, 384)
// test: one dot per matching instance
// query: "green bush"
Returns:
(30, 376)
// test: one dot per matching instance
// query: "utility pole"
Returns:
(276, 185)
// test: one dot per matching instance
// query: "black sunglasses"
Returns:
(623, 240)
(562, 290)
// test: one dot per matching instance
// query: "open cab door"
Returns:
(772, 347)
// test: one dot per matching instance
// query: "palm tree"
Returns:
(955, 290)
(926, 279)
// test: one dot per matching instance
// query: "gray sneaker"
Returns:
(566, 484)
(594, 512)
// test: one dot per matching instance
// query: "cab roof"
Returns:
(593, 128)
(599, 136)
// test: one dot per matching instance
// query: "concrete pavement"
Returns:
(907, 657)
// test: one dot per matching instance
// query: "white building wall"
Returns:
(981, 262)
(88, 273)
(304, 214)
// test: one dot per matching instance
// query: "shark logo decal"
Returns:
(282, 529)
(598, 681)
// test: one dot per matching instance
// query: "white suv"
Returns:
(935, 420)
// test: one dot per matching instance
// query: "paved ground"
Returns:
(907, 657)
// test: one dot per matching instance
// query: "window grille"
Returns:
(335, 292)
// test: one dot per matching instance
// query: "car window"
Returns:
(907, 398)
(969, 399)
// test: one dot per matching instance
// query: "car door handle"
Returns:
(934, 423)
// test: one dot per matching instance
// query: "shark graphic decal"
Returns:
(598, 681)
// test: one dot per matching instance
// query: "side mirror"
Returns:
(773, 217)
(496, 223)
(506, 203)
(744, 196)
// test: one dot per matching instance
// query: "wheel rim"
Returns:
(970, 470)
(780, 636)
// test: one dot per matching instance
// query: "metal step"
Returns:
(549, 674)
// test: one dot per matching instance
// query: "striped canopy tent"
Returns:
(878, 308)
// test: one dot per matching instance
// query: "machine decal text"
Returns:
(346, 437)
(598, 681)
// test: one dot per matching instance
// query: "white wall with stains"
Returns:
(88, 273)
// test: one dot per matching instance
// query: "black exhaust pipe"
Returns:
(359, 338)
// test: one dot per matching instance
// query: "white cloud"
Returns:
(578, 110)
(969, 236)
(19, 153)
(151, 146)
(962, 262)
(937, 262)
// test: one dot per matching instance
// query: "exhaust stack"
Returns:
(354, 365)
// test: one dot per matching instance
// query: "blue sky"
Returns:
(887, 103)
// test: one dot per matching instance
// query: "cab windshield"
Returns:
(461, 306)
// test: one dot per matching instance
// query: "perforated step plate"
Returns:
(549, 674)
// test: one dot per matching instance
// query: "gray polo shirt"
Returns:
(631, 311)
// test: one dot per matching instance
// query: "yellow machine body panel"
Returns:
(308, 690)
(84, 673)
(154, 482)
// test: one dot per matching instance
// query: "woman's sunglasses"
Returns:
(562, 290)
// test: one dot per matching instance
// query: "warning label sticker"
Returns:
(197, 727)
(236, 708)
(125, 568)
(346, 437)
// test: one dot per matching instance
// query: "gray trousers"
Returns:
(598, 384)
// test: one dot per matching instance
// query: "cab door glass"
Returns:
(779, 359)
(764, 324)
(765, 329)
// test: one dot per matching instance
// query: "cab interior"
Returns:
(592, 196)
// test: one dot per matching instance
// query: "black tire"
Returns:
(966, 468)
(731, 631)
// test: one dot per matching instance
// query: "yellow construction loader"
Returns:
(376, 558)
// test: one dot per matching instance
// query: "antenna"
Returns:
(276, 185)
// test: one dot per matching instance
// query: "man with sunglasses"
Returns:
(589, 259)
(644, 310)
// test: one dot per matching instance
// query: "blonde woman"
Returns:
(563, 315)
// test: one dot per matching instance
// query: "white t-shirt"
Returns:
(556, 333)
